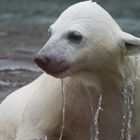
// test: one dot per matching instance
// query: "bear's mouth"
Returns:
(59, 73)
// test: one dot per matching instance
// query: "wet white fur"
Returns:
(35, 110)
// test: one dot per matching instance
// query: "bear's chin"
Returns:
(60, 74)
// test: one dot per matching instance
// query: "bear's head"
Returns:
(85, 38)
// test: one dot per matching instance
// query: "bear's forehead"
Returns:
(87, 18)
(84, 12)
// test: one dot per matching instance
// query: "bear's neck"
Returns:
(110, 81)
(111, 87)
(103, 82)
(85, 94)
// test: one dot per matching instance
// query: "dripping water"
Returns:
(96, 118)
(63, 111)
(94, 130)
(92, 114)
(128, 102)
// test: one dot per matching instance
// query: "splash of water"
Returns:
(63, 111)
(128, 102)
(128, 112)
(94, 130)
(96, 118)
(92, 114)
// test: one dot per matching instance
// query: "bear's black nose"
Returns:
(51, 64)
(42, 61)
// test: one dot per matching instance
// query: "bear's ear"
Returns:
(132, 44)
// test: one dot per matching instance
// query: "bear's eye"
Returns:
(75, 37)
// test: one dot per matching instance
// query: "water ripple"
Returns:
(9, 65)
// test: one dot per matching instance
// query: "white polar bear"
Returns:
(93, 56)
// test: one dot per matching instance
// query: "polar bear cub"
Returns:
(94, 58)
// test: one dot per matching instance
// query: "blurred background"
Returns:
(23, 31)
